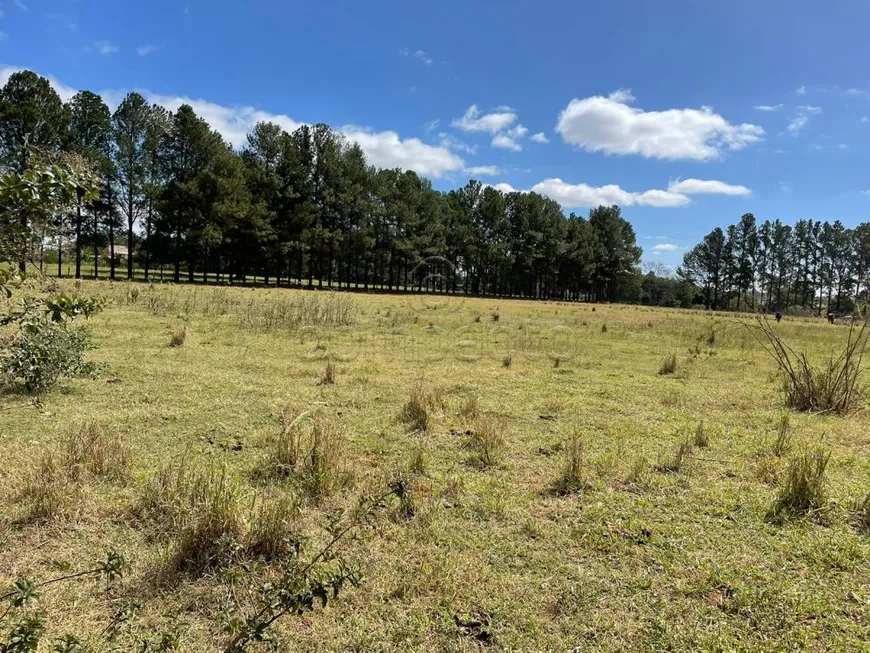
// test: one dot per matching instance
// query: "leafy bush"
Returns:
(42, 353)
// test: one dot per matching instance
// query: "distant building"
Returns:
(121, 254)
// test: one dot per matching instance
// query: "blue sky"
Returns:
(686, 113)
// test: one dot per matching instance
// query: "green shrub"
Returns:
(42, 353)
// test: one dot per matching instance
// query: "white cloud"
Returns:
(507, 140)
(473, 121)
(503, 187)
(105, 48)
(20, 5)
(540, 137)
(386, 150)
(797, 123)
(842, 146)
(488, 171)
(145, 50)
(448, 141)
(768, 107)
(863, 119)
(666, 247)
(418, 54)
(622, 95)
(809, 108)
(801, 91)
(610, 125)
(572, 195)
(707, 187)
(854, 92)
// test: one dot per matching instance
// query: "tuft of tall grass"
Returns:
(285, 448)
(92, 451)
(830, 388)
(325, 464)
(803, 490)
(328, 377)
(178, 335)
(862, 514)
(702, 438)
(572, 478)
(88, 453)
(678, 461)
(669, 365)
(274, 529)
(782, 443)
(470, 408)
(417, 411)
(199, 510)
(487, 440)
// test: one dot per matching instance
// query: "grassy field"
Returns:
(641, 549)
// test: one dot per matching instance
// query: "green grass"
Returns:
(633, 560)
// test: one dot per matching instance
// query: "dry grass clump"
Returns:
(862, 514)
(678, 461)
(782, 443)
(422, 401)
(325, 468)
(274, 528)
(702, 437)
(470, 408)
(669, 365)
(312, 453)
(573, 476)
(830, 388)
(803, 491)
(95, 452)
(199, 510)
(507, 361)
(487, 440)
(178, 335)
(328, 377)
(89, 453)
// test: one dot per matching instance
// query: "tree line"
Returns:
(299, 208)
(809, 267)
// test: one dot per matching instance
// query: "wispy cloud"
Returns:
(3, 36)
(854, 92)
(145, 50)
(801, 91)
(104, 48)
(666, 247)
(863, 119)
(432, 125)
(797, 123)
(809, 108)
(422, 55)
(768, 107)
(20, 5)
(488, 171)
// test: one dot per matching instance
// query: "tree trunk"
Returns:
(78, 235)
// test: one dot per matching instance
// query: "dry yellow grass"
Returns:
(639, 560)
